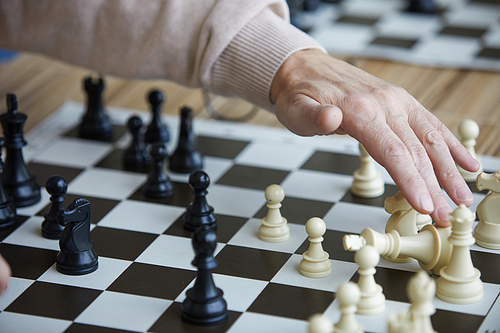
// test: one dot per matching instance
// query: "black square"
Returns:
(83, 328)
(114, 160)
(488, 264)
(44, 171)
(171, 321)
(252, 177)
(489, 52)
(394, 42)
(463, 31)
(217, 147)
(118, 132)
(297, 210)
(292, 302)
(390, 190)
(333, 244)
(332, 162)
(227, 226)
(444, 321)
(120, 244)
(28, 262)
(153, 281)
(53, 300)
(250, 263)
(7, 231)
(358, 20)
(182, 196)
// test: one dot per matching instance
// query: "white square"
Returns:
(33, 209)
(124, 311)
(215, 167)
(408, 25)
(235, 201)
(141, 216)
(105, 183)
(15, 288)
(289, 274)
(30, 234)
(21, 323)
(447, 50)
(232, 287)
(248, 236)
(344, 38)
(74, 152)
(250, 322)
(349, 217)
(275, 156)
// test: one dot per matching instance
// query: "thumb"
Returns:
(307, 117)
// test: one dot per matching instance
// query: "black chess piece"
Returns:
(157, 131)
(95, 123)
(158, 184)
(186, 158)
(199, 213)
(136, 155)
(204, 303)
(8, 215)
(20, 184)
(422, 6)
(56, 186)
(77, 255)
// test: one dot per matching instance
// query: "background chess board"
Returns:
(463, 33)
(145, 254)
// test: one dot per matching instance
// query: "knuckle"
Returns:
(449, 174)
(395, 150)
(432, 138)
(419, 156)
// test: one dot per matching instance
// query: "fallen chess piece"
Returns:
(487, 231)
(367, 181)
(315, 262)
(348, 296)
(274, 227)
(430, 246)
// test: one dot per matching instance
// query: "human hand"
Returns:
(5, 274)
(316, 94)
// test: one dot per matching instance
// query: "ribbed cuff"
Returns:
(249, 64)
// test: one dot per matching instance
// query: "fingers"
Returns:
(5, 274)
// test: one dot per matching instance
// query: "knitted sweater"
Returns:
(230, 47)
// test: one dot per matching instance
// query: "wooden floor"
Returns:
(42, 85)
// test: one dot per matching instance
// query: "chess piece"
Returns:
(77, 255)
(199, 213)
(157, 131)
(469, 131)
(430, 246)
(487, 231)
(319, 324)
(136, 156)
(348, 296)
(274, 227)
(186, 158)
(204, 303)
(367, 181)
(372, 299)
(423, 220)
(422, 6)
(460, 281)
(158, 184)
(95, 123)
(19, 183)
(8, 215)
(56, 186)
(315, 262)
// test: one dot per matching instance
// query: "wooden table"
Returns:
(42, 85)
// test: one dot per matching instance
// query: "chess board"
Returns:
(145, 255)
(462, 33)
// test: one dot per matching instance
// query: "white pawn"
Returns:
(421, 290)
(315, 262)
(469, 132)
(274, 227)
(372, 298)
(460, 281)
(367, 181)
(348, 295)
(319, 324)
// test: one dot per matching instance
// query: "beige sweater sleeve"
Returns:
(231, 47)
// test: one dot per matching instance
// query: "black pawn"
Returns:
(157, 131)
(186, 158)
(136, 155)
(95, 123)
(8, 213)
(56, 186)
(199, 213)
(422, 6)
(158, 184)
(77, 255)
(204, 303)
(20, 184)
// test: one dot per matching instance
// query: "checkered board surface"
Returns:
(145, 255)
(463, 33)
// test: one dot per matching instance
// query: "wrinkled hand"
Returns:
(5, 273)
(316, 94)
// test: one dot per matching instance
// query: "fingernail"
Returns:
(464, 194)
(426, 203)
(444, 213)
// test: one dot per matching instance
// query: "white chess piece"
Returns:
(367, 181)
(348, 295)
(469, 131)
(315, 262)
(460, 281)
(421, 290)
(274, 227)
(487, 232)
(372, 298)
(423, 220)
(319, 324)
